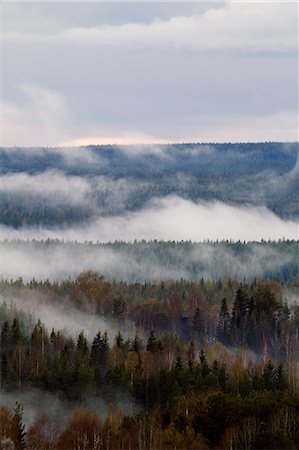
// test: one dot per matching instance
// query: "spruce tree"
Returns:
(223, 327)
(18, 429)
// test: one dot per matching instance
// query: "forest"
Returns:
(203, 364)
(155, 260)
(149, 225)
(149, 297)
(61, 186)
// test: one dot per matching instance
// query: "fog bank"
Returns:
(63, 316)
(172, 218)
(151, 261)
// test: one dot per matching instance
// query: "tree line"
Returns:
(211, 364)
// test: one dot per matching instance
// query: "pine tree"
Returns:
(119, 308)
(203, 363)
(82, 346)
(4, 342)
(269, 376)
(197, 325)
(18, 429)
(153, 344)
(239, 316)
(15, 333)
(3, 369)
(119, 340)
(223, 327)
(95, 349)
(137, 344)
(100, 351)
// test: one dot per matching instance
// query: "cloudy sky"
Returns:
(79, 73)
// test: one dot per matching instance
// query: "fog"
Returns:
(63, 186)
(54, 188)
(291, 295)
(35, 401)
(51, 185)
(173, 218)
(57, 261)
(63, 316)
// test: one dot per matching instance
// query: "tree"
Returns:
(95, 349)
(223, 327)
(197, 326)
(137, 344)
(6, 422)
(100, 351)
(191, 355)
(82, 346)
(239, 316)
(203, 363)
(5, 342)
(91, 287)
(3, 369)
(83, 431)
(153, 344)
(43, 433)
(119, 308)
(18, 433)
(15, 333)
(119, 340)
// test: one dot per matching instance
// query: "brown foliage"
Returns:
(6, 423)
(92, 288)
(83, 432)
(43, 433)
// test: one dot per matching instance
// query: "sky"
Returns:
(81, 73)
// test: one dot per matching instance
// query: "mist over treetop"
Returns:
(153, 260)
(61, 187)
(253, 157)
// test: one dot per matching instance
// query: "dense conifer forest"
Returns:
(149, 214)
(145, 343)
(55, 259)
(113, 179)
(204, 364)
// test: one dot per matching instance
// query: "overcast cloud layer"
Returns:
(98, 72)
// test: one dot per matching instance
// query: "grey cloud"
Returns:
(41, 16)
(238, 26)
(173, 95)
(181, 101)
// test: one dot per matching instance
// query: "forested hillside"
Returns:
(149, 214)
(36, 183)
(206, 364)
(149, 297)
(152, 260)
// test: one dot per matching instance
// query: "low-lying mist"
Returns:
(36, 401)
(150, 261)
(172, 218)
(62, 316)
(48, 187)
